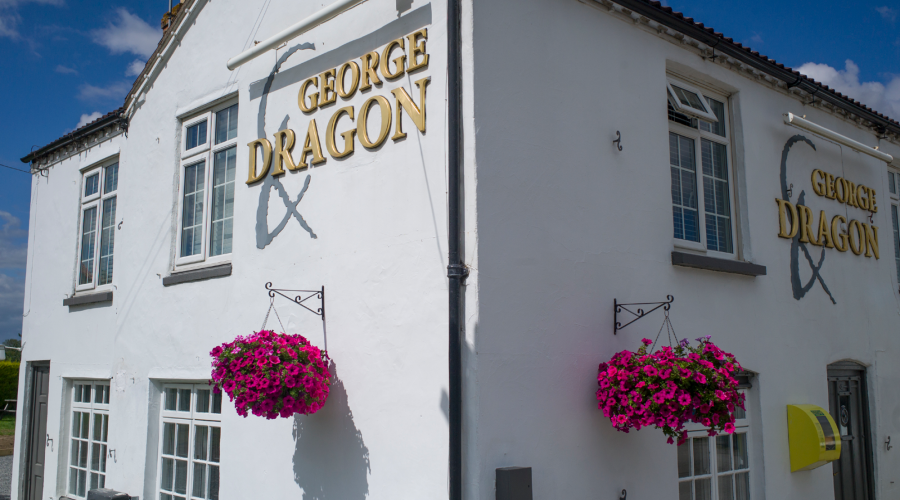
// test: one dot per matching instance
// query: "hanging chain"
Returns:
(670, 331)
(272, 308)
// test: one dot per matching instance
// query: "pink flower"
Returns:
(729, 428)
(684, 399)
(646, 341)
(641, 384)
(216, 352)
(699, 377)
(720, 395)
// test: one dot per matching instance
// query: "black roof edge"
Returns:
(722, 45)
(113, 117)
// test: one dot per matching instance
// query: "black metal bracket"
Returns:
(637, 313)
(618, 140)
(299, 299)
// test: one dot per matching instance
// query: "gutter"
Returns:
(456, 270)
(114, 117)
(743, 54)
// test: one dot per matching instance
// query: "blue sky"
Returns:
(63, 62)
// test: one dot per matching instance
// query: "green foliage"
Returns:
(9, 380)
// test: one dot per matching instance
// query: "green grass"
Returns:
(8, 425)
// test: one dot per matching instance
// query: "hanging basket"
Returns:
(271, 374)
(671, 387)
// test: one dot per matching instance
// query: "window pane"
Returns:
(684, 459)
(684, 491)
(184, 400)
(196, 135)
(74, 458)
(103, 456)
(83, 453)
(717, 200)
(73, 481)
(203, 400)
(91, 184)
(740, 451)
(742, 486)
(85, 426)
(892, 183)
(168, 439)
(98, 427)
(213, 482)
(199, 481)
(681, 118)
(82, 480)
(192, 209)
(215, 435)
(201, 442)
(688, 98)
(894, 222)
(107, 241)
(88, 240)
(703, 489)
(171, 399)
(740, 413)
(217, 402)
(726, 489)
(723, 453)
(180, 476)
(718, 109)
(684, 190)
(226, 124)
(224, 167)
(111, 178)
(76, 425)
(95, 457)
(701, 456)
(182, 432)
(168, 474)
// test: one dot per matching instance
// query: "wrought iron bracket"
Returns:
(301, 297)
(637, 313)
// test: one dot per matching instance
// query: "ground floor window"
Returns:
(189, 447)
(715, 467)
(90, 427)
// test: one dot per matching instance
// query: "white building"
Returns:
(149, 247)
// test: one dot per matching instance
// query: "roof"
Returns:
(650, 9)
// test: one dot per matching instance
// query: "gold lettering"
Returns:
(871, 240)
(872, 206)
(806, 230)
(818, 186)
(839, 238)
(327, 87)
(416, 47)
(369, 63)
(313, 98)
(842, 196)
(398, 62)
(824, 235)
(354, 79)
(284, 143)
(857, 245)
(362, 126)
(862, 198)
(850, 190)
(783, 230)
(404, 101)
(348, 135)
(829, 183)
(266, 147)
(311, 144)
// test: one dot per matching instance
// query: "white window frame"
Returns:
(205, 153)
(705, 114)
(91, 408)
(95, 200)
(697, 135)
(741, 426)
(192, 418)
(893, 178)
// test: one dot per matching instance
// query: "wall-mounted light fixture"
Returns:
(792, 119)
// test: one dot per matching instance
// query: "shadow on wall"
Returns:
(331, 461)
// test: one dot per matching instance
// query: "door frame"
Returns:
(25, 433)
(849, 368)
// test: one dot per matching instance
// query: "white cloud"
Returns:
(113, 91)
(13, 241)
(85, 119)
(129, 34)
(65, 70)
(884, 98)
(12, 297)
(887, 13)
(135, 68)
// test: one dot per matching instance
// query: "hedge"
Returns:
(9, 380)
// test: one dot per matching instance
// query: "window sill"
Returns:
(90, 298)
(715, 264)
(197, 275)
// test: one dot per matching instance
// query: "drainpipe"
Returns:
(456, 270)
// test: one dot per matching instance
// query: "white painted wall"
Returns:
(567, 224)
(380, 253)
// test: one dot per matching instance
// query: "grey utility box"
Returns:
(513, 483)
(107, 494)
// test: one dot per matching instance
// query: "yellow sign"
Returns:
(813, 437)
(859, 237)
(333, 83)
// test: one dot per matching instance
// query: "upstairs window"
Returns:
(206, 207)
(98, 226)
(700, 170)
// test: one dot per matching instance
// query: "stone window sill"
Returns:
(197, 275)
(715, 264)
(90, 298)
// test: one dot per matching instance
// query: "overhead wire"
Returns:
(16, 169)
